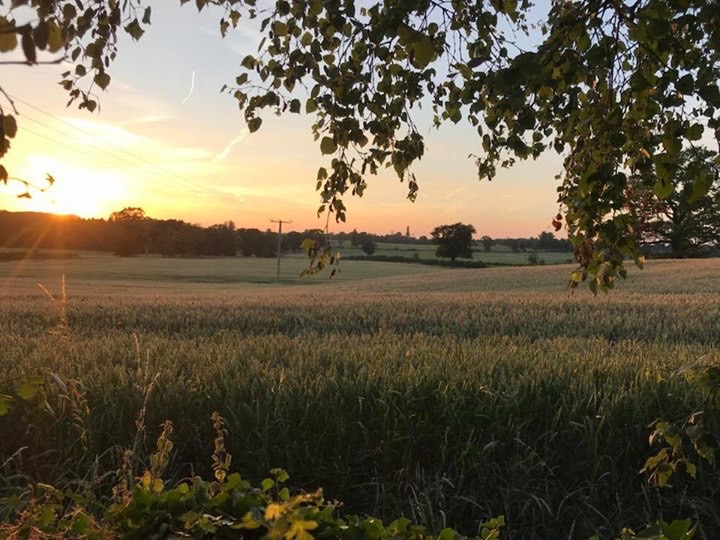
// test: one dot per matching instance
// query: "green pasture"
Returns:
(150, 272)
(497, 255)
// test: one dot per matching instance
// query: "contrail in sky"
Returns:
(226, 151)
(192, 87)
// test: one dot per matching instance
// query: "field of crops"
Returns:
(447, 396)
(499, 254)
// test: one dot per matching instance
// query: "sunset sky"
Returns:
(167, 140)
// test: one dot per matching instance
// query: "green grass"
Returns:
(152, 272)
(498, 254)
(448, 396)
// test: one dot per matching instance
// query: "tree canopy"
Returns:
(616, 87)
(453, 241)
(687, 220)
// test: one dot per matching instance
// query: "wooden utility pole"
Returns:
(279, 242)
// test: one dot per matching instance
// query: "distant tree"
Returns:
(131, 231)
(257, 243)
(342, 236)
(515, 245)
(221, 240)
(686, 218)
(291, 241)
(129, 213)
(487, 242)
(368, 247)
(546, 240)
(355, 238)
(453, 241)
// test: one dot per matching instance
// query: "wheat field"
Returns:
(447, 396)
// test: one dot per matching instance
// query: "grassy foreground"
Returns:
(448, 397)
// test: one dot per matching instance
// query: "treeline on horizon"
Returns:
(129, 232)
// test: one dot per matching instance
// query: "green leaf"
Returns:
(102, 79)
(47, 515)
(447, 534)
(695, 132)
(307, 244)
(41, 34)
(685, 84)
(27, 390)
(135, 30)
(8, 41)
(28, 47)
(9, 126)
(267, 484)
(280, 28)
(5, 402)
(423, 53)
(678, 529)
(80, 523)
(328, 145)
(248, 62)
(663, 189)
(254, 124)
(593, 286)
(281, 475)
(311, 106)
(672, 145)
(700, 186)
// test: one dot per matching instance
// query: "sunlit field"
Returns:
(447, 396)
(499, 254)
(169, 274)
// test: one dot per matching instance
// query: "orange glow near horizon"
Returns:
(79, 191)
(165, 138)
(208, 176)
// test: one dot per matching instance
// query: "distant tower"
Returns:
(407, 232)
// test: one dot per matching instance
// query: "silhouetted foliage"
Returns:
(453, 241)
(368, 247)
(254, 242)
(221, 240)
(686, 220)
(130, 232)
(487, 242)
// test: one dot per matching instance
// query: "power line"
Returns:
(187, 181)
(121, 160)
(82, 152)
(108, 143)
(67, 146)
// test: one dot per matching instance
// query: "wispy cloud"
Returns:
(453, 193)
(229, 146)
(148, 119)
(192, 88)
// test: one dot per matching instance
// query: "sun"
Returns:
(80, 191)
